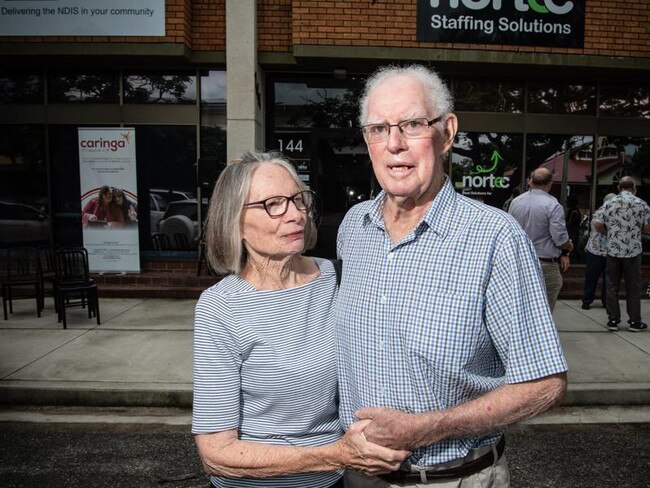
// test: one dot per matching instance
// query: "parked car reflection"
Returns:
(157, 207)
(182, 217)
(23, 225)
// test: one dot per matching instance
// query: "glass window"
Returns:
(305, 105)
(21, 88)
(213, 128)
(476, 95)
(24, 205)
(83, 87)
(23, 176)
(569, 158)
(624, 100)
(178, 88)
(166, 158)
(487, 166)
(65, 185)
(549, 98)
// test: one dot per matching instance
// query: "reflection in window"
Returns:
(487, 166)
(21, 88)
(625, 100)
(158, 88)
(213, 128)
(23, 177)
(213, 88)
(302, 105)
(23, 186)
(83, 87)
(166, 158)
(545, 98)
(570, 159)
(488, 96)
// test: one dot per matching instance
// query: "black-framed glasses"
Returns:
(411, 128)
(278, 205)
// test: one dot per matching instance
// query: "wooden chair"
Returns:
(73, 285)
(21, 279)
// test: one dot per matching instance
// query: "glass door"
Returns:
(341, 174)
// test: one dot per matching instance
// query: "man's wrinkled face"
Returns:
(406, 168)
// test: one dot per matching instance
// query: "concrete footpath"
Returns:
(141, 356)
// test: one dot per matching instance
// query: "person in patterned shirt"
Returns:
(623, 219)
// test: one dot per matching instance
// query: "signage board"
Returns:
(82, 18)
(109, 198)
(549, 23)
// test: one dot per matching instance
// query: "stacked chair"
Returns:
(22, 279)
(46, 269)
(72, 283)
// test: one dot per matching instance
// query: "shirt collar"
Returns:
(438, 217)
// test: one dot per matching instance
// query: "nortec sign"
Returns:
(552, 23)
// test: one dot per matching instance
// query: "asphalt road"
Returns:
(38, 455)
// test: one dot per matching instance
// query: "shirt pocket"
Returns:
(445, 332)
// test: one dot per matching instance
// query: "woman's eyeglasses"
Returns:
(278, 205)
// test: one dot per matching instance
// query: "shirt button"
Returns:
(384, 299)
(390, 256)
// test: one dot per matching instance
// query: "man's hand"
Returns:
(394, 428)
(360, 454)
(564, 263)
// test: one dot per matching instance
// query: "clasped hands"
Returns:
(381, 440)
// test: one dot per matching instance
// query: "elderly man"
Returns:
(444, 333)
(542, 217)
(623, 219)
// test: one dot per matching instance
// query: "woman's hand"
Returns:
(361, 455)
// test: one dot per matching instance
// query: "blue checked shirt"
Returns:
(454, 310)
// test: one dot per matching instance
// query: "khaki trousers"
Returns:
(553, 281)
(495, 476)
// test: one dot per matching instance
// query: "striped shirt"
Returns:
(454, 310)
(265, 364)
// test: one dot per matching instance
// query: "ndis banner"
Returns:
(551, 23)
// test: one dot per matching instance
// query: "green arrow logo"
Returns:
(495, 158)
(540, 9)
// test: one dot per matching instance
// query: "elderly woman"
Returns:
(265, 380)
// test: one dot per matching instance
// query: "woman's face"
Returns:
(117, 198)
(272, 237)
(107, 198)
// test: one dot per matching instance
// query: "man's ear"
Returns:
(451, 127)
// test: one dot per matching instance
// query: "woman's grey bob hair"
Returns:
(225, 251)
(439, 100)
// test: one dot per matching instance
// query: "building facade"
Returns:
(563, 84)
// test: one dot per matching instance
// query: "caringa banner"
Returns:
(551, 23)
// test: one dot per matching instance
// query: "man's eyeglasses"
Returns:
(412, 128)
(277, 206)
